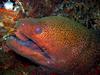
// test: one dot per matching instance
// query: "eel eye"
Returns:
(38, 30)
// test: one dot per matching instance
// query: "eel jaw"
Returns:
(29, 49)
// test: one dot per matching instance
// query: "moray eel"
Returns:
(56, 42)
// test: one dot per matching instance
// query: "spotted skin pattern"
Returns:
(72, 49)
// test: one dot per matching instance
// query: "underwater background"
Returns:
(86, 12)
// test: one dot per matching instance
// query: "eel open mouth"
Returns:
(32, 45)
(26, 47)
